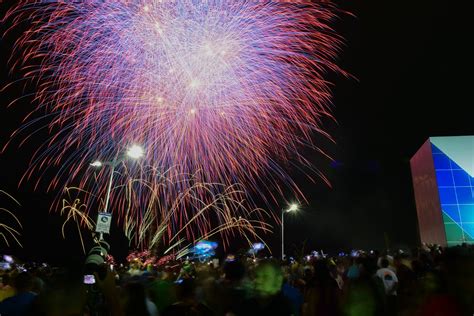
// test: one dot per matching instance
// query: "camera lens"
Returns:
(96, 258)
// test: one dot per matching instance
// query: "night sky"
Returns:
(409, 60)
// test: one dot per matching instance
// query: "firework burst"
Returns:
(231, 89)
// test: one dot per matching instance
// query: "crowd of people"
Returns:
(426, 281)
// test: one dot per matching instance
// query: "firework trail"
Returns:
(216, 209)
(6, 230)
(233, 89)
(75, 211)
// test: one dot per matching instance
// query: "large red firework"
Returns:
(226, 91)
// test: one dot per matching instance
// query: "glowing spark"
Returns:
(9, 230)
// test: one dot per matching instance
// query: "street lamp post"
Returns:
(113, 164)
(293, 207)
(134, 152)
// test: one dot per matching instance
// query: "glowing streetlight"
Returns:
(96, 164)
(134, 152)
(293, 208)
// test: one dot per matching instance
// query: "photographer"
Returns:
(110, 291)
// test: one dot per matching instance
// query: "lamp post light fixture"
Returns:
(135, 152)
(292, 208)
(96, 164)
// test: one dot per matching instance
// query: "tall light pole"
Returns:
(134, 152)
(293, 207)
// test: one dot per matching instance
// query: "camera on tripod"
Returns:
(95, 262)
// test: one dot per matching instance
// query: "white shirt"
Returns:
(389, 279)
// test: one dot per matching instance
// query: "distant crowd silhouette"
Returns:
(426, 281)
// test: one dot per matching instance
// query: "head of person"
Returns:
(135, 299)
(166, 275)
(185, 290)
(6, 279)
(321, 270)
(234, 271)
(65, 294)
(268, 278)
(307, 272)
(38, 285)
(23, 282)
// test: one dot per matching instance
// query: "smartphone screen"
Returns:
(89, 279)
